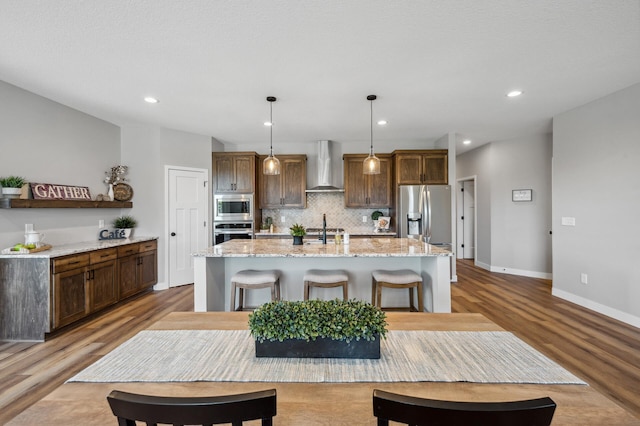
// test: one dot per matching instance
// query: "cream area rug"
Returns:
(406, 356)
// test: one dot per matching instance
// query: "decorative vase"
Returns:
(110, 193)
(127, 232)
(322, 347)
(11, 192)
(297, 240)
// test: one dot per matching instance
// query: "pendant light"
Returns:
(271, 165)
(371, 165)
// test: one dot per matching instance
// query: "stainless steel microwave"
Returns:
(237, 207)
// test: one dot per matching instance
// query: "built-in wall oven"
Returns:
(233, 217)
(233, 207)
(226, 231)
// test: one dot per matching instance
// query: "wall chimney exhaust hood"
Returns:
(324, 169)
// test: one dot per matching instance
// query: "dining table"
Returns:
(325, 403)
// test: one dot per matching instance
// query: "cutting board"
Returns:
(27, 251)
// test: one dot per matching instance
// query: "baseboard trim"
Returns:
(597, 307)
(521, 272)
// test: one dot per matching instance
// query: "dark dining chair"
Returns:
(208, 410)
(416, 411)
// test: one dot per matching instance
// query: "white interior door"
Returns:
(188, 224)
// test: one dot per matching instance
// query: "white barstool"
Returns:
(402, 278)
(326, 279)
(250, 279)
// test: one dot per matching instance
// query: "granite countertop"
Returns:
(390, 234)
(358, 247)
(81, 247)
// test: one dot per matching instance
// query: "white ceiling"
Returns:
(437, 66)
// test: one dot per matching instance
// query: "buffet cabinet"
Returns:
(367, 191)
(421, 167)
(234, 172)
(89, 282)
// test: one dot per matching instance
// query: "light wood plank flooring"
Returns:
(604, 352)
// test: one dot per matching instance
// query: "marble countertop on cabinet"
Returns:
(74, 248)
(358, 247)
(390, 234)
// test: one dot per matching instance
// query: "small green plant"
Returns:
(376, 215)
(124, 222)
(12, 182)
(298, 230)
(309, 319)
(264, 225)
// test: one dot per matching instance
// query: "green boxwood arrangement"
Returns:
(334, 319)
(12, 182)
(124, 222)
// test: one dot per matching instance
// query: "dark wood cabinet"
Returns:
(286, 190)
(88, 282)
(421, 167)
(234, 171)
(367, 191)
(137, 267)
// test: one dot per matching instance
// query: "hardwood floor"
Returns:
(603, 352)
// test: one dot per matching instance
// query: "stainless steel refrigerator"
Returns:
(424, 212)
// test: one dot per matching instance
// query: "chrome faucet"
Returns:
(324, 228)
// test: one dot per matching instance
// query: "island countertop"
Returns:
(360, 247)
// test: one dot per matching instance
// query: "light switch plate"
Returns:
(569, 221)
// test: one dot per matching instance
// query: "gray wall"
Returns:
(596, 151)
(512, 237)
(48, 142)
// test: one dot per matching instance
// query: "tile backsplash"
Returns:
(329, 203)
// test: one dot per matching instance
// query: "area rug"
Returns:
(406, 356)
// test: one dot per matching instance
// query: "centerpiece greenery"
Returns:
(127, 223)
(12, 186)
(300, 323)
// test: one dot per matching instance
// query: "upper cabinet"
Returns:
(286, 190)
(234, 171)
(368, 191)
(421, 167)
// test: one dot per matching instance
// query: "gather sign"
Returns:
(50, 191)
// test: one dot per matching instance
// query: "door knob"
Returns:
(173, 234)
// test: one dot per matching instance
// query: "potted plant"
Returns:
(125, 223)
(12, 186)
(318, 329)
(298, 231)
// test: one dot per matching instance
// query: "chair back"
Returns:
(420, 411)
(210, 410)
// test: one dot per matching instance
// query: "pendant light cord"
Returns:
(371, 124)
(271, 129)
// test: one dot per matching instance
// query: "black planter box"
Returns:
(322, 347)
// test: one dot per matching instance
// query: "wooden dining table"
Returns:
(302, 404)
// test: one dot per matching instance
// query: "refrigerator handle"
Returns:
(427, 208)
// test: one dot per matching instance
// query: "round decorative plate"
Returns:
(122, 192)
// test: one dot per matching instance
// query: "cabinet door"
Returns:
(270, 195)
(356, 190)
(147, 269)
(294, 181)
(380, 190)
(245, 173)
(409, 169)
(103, 289)
(70, 298)
(436, 169)
(223, 173)
(128, 275)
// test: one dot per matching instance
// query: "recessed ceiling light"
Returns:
(151, 100)
(514, 93)
(466, 142)
(382, 122)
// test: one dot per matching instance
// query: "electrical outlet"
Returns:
(364, 219)
(281, 219)
(584, 279)
(101, 223)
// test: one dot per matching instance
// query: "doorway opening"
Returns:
(466, 218)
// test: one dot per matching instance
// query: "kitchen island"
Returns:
(215, 266)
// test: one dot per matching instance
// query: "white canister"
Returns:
(345, 238)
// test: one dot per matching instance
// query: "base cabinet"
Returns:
(89, 282)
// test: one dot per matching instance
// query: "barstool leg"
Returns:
(411, 305)
(345, 291)
(420, 301)
(306, 290)
(233, 297)
(373, 291)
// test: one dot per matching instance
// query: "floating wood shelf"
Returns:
(18, 203)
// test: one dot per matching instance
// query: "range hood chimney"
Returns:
(324, 169)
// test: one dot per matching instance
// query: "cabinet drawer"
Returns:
(148, 246)
(128, 250)
(70, 262)
(103, 255)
